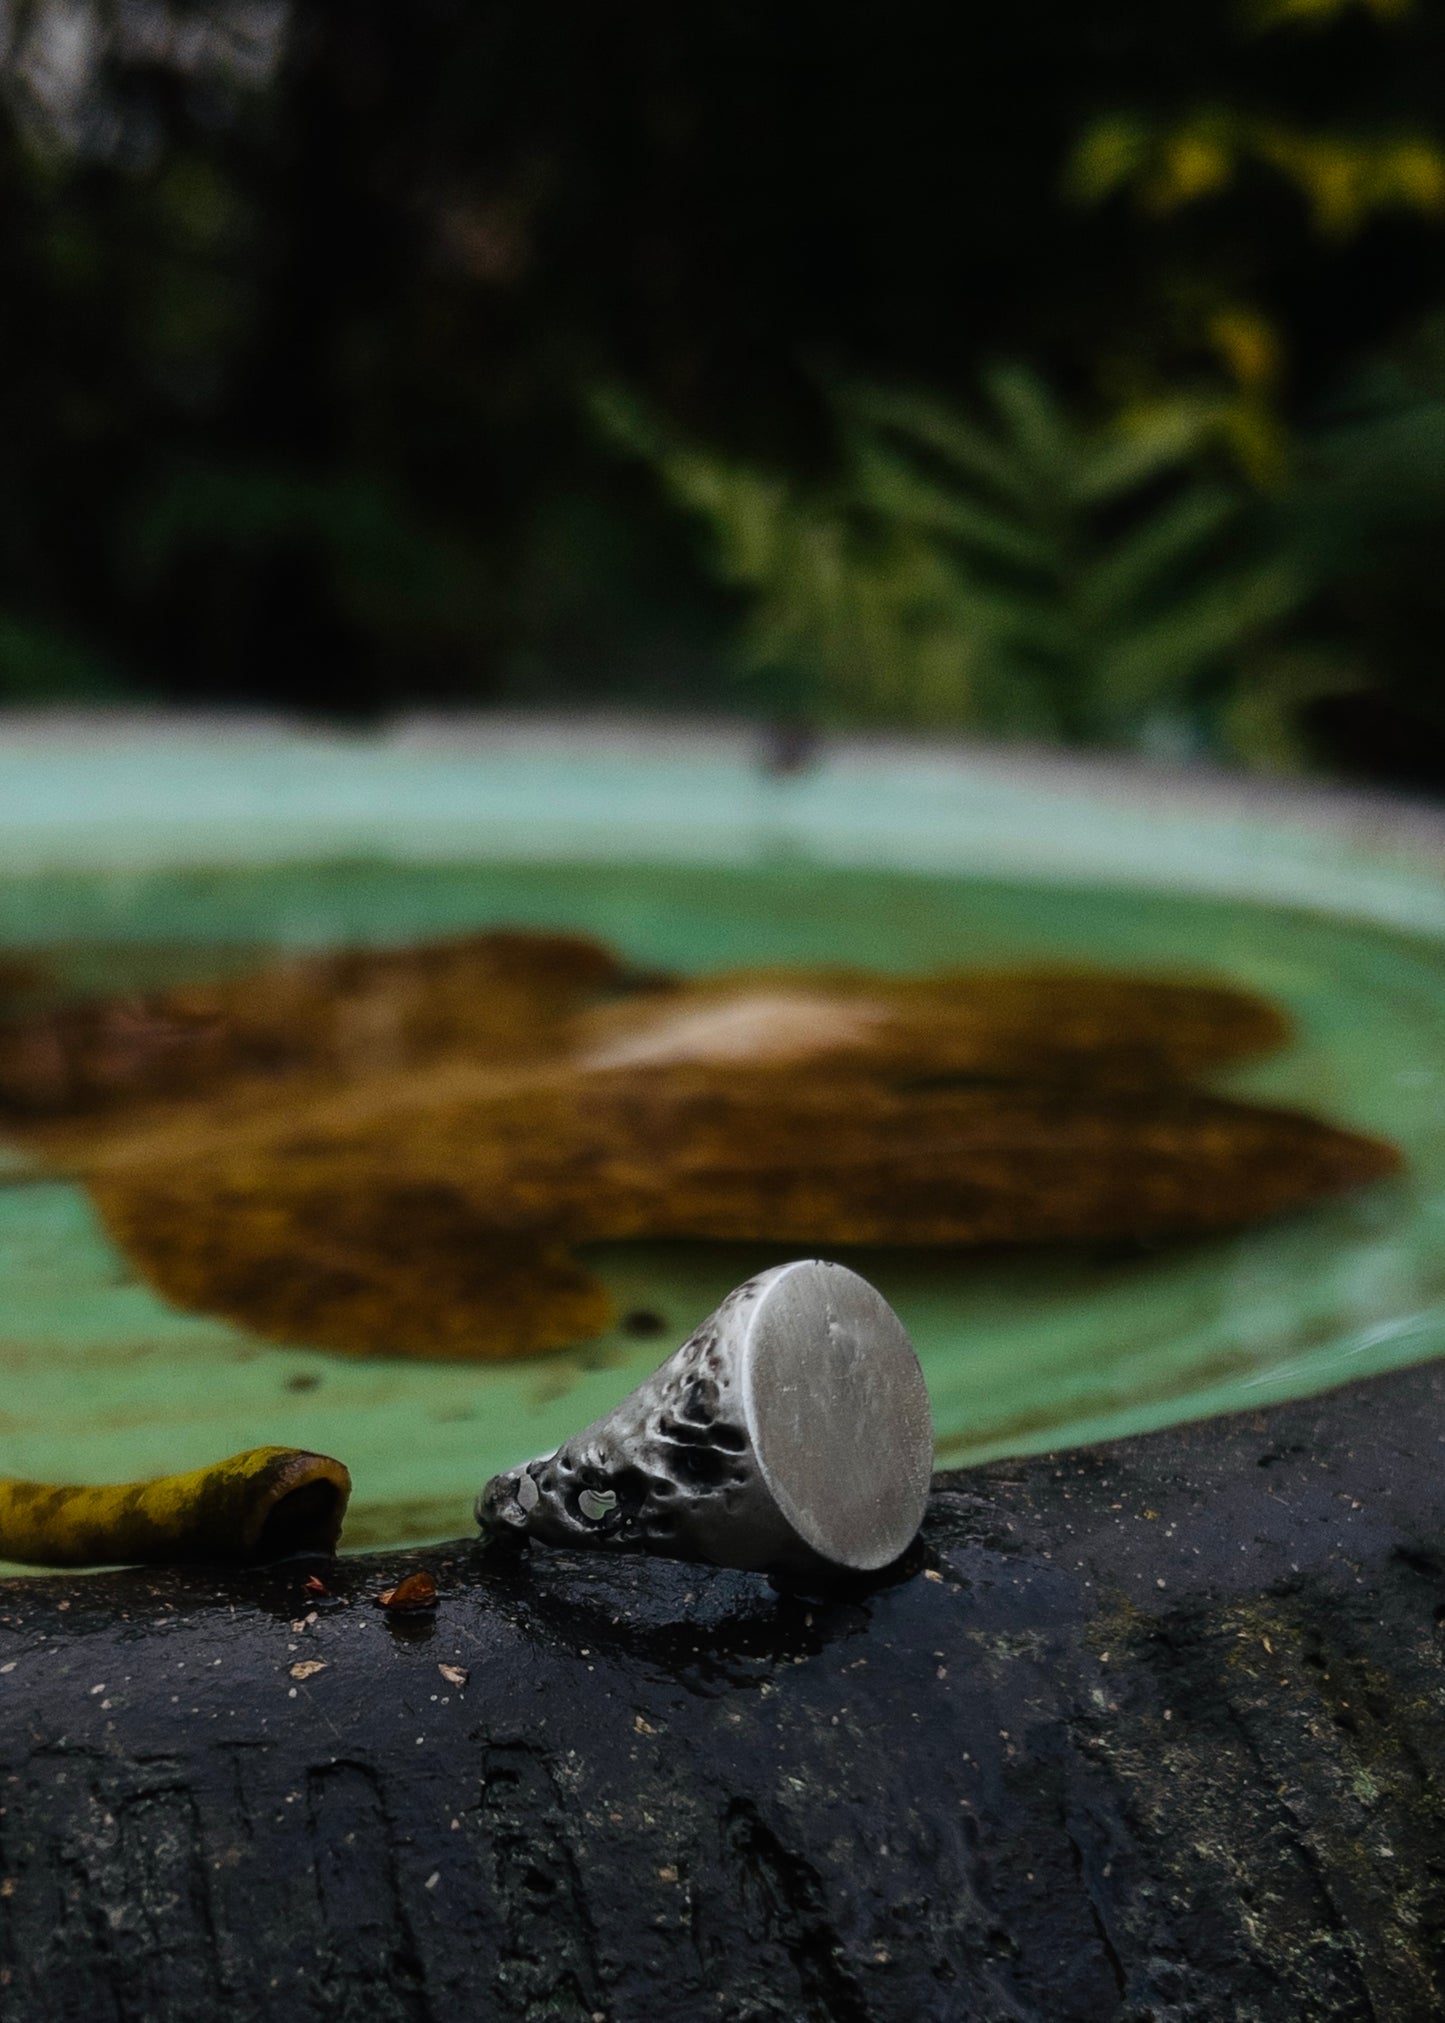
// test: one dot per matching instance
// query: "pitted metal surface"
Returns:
(790, 1432)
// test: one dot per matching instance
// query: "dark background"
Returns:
(307, 310)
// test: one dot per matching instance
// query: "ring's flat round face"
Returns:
(838, 1413)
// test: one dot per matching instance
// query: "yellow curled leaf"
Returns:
(264, 1504)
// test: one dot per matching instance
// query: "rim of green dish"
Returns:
(135, 790)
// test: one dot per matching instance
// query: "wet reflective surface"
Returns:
(621, 1785)
(101, 1380)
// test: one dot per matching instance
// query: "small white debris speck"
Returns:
(432, 1880)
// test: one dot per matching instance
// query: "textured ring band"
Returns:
(790, 1433)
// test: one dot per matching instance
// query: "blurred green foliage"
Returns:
(1020, 573)
(39, 664)
(1346, 179)
(303, 310)
(1366, 514)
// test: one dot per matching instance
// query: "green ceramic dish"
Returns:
(140, 852)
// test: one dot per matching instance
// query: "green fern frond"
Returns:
(970, 453)
(895, 489)
(1141, 562)
(1155, 662)
(1164, 441)
(1025, 572)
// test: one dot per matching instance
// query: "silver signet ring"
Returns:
(790, 1433)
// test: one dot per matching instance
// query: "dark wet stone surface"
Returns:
(1154, 1730)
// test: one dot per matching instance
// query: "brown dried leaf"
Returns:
(397, 1191)
(503, 999)
(452, 1237)
(352, 1264)
(1036, 1025)
(328, 1019)
(416, 1591)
